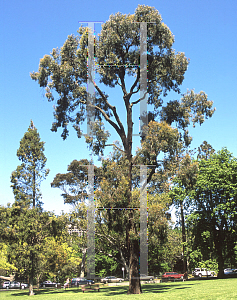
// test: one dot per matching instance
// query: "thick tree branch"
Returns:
(119, 128)
(120, 131)
(121, 76)
(137, 101)
(134, 84)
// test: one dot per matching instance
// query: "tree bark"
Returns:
(38, 282)
(220, 265)
(134, 253)
(219, 244)
(133, 240)
(31, 279)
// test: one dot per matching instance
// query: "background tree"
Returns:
(183, 183)
(4, 264)
(215, 202)
(6, 268)
(60, 259)
(116, 52)
(38, 240)
(26, 181)
(74, 183)
(205, 150)
(27, 177)
(25, 233)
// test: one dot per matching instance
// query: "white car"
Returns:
(14, 285)
(17, 285)
(146, 277)
(111, 279)
(200, 272)
(6, 284)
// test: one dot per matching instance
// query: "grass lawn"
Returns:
(199, 289)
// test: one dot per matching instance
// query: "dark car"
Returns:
(48, 283)
(81, 281)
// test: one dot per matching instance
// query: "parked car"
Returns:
(199, 272)
(80, 281)
(14, 285)
(17, 285)
(6, 284)
(230, 272)
(173, 275)
(146, 277)
(111, 279)
(48, 283)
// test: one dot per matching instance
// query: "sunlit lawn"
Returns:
(199, 289)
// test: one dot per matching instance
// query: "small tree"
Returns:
(27, 177)
(26, 181)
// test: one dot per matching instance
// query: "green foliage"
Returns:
(4, 264)
(37, 241)
(59, 259)
(165, 249)
(74, 182)
(215, 202)
(195, 256)
(210, 264)
(184, 180)
(106, 265)
(24, 233)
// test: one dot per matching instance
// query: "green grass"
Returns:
(199, 289)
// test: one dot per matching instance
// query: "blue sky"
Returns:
(204, 30)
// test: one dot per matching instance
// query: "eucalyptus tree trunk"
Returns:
(132, 232)
(134, 254)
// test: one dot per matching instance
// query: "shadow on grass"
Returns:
(47, 292)
(111, 291)
(148, 288)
